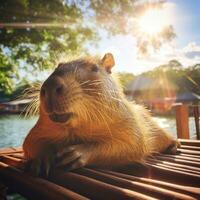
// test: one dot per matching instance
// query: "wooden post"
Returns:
(182, 121)
(196, 118)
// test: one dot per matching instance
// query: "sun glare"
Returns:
(153, 22)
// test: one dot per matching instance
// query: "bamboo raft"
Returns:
(162, 177)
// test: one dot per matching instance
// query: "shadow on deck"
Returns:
(162, 177)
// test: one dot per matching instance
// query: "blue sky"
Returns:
(189, 27)
(185, 18)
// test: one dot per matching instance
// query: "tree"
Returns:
(7, 73)
(192, 76)
(33, 33)
(125, 78)
(185, 79)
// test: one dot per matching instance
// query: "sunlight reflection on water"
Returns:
(169, 124)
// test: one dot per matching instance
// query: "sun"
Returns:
(153, 21)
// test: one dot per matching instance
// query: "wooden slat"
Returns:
(189, 155)
(173, 164)
(174, 176)
(178, 160)
(17, 155)
(179, 188)
(34, 188)
(164, 176)
(71, 181)
(191, 152)
(190, 142)
(180, 169)
(190, 147)
(180, 157)
(150, 190)
(10, 150)
(12, 161)
(94, 189)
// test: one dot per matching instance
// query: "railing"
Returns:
(182, 120)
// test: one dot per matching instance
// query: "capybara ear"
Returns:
(108, 62)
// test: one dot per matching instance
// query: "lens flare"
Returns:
(153, 21)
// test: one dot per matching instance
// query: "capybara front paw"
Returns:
(41, 165)
(172, 148)
(73, 157)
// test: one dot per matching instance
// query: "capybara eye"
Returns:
(94, 68)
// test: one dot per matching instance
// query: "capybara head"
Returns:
(77, 87)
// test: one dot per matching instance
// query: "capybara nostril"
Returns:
(54, 86)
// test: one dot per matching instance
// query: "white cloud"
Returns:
(192, 50)
(188, 55)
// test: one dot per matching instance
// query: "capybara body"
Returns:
(84, 119)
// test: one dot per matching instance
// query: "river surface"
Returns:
(14, 128)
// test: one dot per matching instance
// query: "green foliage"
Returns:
(7, 74)
(36, 48)
(62, 30)
(185, 79)
(36, 32)
(125, 78)
(192, 79)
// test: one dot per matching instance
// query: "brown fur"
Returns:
(116, 131)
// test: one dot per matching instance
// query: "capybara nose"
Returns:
(53, 87)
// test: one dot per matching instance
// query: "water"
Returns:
(14, 128)
(169, 124)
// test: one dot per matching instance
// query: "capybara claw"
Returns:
(73, 157)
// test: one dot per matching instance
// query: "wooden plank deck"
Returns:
(162, 177)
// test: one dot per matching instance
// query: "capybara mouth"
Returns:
(61, 118)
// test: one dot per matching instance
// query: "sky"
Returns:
(184, 16)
